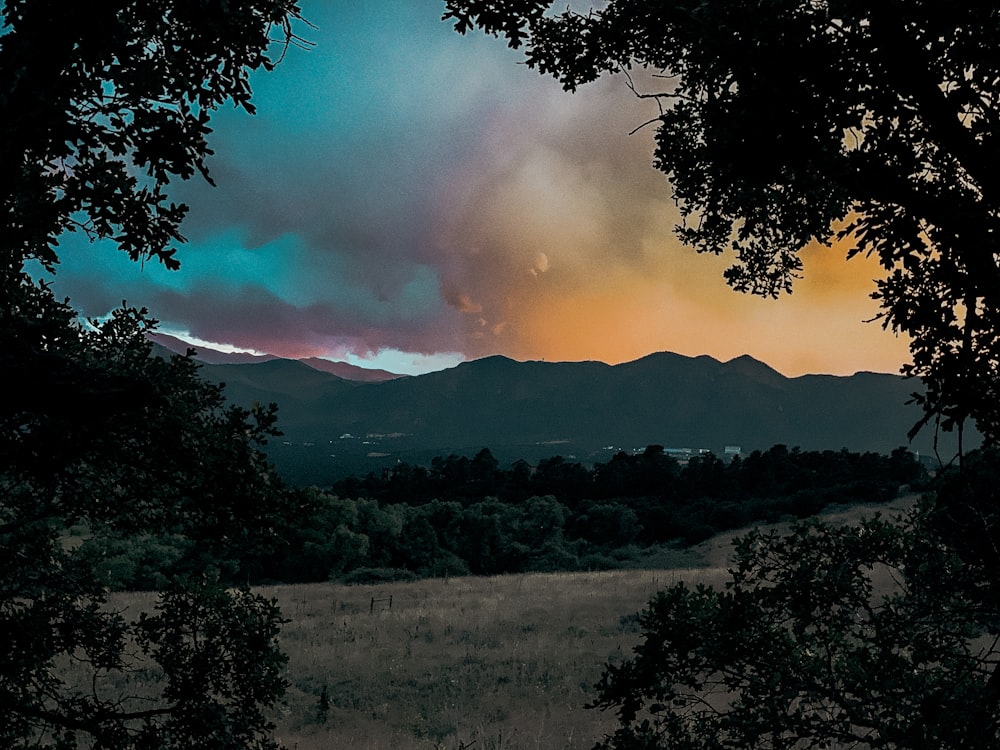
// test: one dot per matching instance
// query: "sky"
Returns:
(408, 198)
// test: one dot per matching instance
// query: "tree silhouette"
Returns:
(104, 104)
(786, 124)
(101, 106)
(857, 636)
(783, 124)
(141, 447)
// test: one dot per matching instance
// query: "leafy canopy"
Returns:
(867, 636)
(101, 106)
(787, 123)
(107, 439)
(783, 124)
(104, 103)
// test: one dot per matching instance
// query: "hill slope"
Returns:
(584, 409)
(209, 356)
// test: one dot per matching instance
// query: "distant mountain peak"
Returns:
(348, 371)
(206, 354)
(746, 359)
(492, 358)
(212, 356)
(747, 365)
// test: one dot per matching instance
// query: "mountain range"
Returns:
(211, 356)
(334, 425)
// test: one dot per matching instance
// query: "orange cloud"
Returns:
(578, 205)
(462, 302)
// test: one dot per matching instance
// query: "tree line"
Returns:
(463, 516)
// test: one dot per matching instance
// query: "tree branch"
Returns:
(92, 723)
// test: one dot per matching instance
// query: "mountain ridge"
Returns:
(208, 355)
(523, 409)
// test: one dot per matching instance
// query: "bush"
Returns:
(377, 575)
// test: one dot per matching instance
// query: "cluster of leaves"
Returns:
(101, 106)
(97, 435)
(105, 104)
(867, 636)
(783, 124)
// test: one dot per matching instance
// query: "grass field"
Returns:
(505, 663)
(501, 663)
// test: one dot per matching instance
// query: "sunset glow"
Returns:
(407, 195)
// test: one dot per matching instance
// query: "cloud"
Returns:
(464, 304)
(255, 318)
(407, 189)
(541, 264)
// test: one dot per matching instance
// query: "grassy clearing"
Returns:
(499, 663)
(505, 662)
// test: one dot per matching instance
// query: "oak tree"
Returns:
(101, 106)
(792, 122)
(864, 636)
(121, 442)
(782, 124)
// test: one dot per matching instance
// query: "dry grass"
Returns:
(501, 663)
(505, 662)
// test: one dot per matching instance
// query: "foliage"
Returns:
(104, 448)
(562, 515)
(773, 473)
(132, 447)
(618, 514)
(782, 125)
(786, 124)
(102, 105)
(859, 636)
(967, 516)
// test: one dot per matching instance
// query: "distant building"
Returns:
(732, 451)
(680, 455)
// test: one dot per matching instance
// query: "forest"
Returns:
(463, 516)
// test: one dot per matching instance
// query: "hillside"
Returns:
(587, 410)
(209, 356)
(500, 661)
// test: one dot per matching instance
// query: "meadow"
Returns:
(491, 663)
(498, 663)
